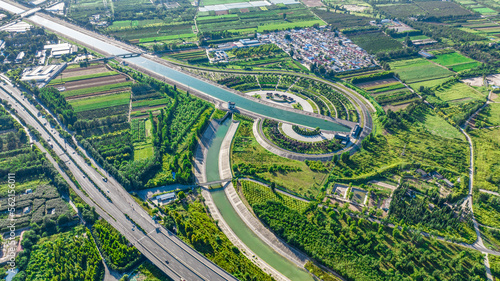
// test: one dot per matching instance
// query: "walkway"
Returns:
(288, 130)
(262, 140)
(305, 105)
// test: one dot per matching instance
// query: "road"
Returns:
(163, 248)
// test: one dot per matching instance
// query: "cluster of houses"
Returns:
(321, 47)
(436, 176)
(218, 54)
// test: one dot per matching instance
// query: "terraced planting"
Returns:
(258, 20)
(251, 159)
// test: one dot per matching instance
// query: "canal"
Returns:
(233, 220)
(193, 82)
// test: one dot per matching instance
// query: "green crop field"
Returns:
(490, 115)
(83, 77)
(375, 41)
(416, 70)
(485, 11)
(90, 90)
(85, 104)
(457, 92)
(465, 66)
(451, 59)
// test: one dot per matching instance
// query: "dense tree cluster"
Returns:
(56, 103)
(120, 255)
(251, 169)
(70, 256)
(273, 132)
(359, 250)
(434, 213)
(199, 230)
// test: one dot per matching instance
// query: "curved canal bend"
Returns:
(237, 225)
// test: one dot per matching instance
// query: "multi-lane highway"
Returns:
(160, 246)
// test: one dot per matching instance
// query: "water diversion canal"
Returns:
(245, 234)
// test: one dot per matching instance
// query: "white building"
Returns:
(19, 27)
(42, 74)
(57, 50)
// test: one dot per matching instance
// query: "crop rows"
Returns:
(391, 98)
(268, 80)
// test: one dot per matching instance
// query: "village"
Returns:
(321, 47)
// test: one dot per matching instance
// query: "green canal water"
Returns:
(261, 249)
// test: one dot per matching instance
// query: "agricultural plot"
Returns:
(457, 93)
(257, 20)
(141, 138)
(100, 102)
(341, 21)
(418, 70)
(489, 116)
(429, 9)
(375, 41)
(455, 61)
(195, 56)
(114, 147)
(487, 158)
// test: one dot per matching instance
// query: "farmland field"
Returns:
(93, 90)
(457, 92)
(92, 103)
(451, 59)
(416, 70)
(341, 21)
(487, 158)
(490, 115)
(375, 41)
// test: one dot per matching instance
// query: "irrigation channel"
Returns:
(193, 82)
(245, 234)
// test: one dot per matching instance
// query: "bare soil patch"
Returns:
(313, 3)
(396, 107)
(94, 82)
(376, 83)
(84, 71)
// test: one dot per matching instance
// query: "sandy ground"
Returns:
(355, 8)
(288, 130)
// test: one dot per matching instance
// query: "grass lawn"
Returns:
(438, 126)
(495, 266)
(464, 66)
(143, 151)
(490, 115)
(487, 158)
(487, 214)
(416, 70)
(451, 59)
(428, 83)
(246, 150)
(491, 237)
(92, 103)
(457, 92)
